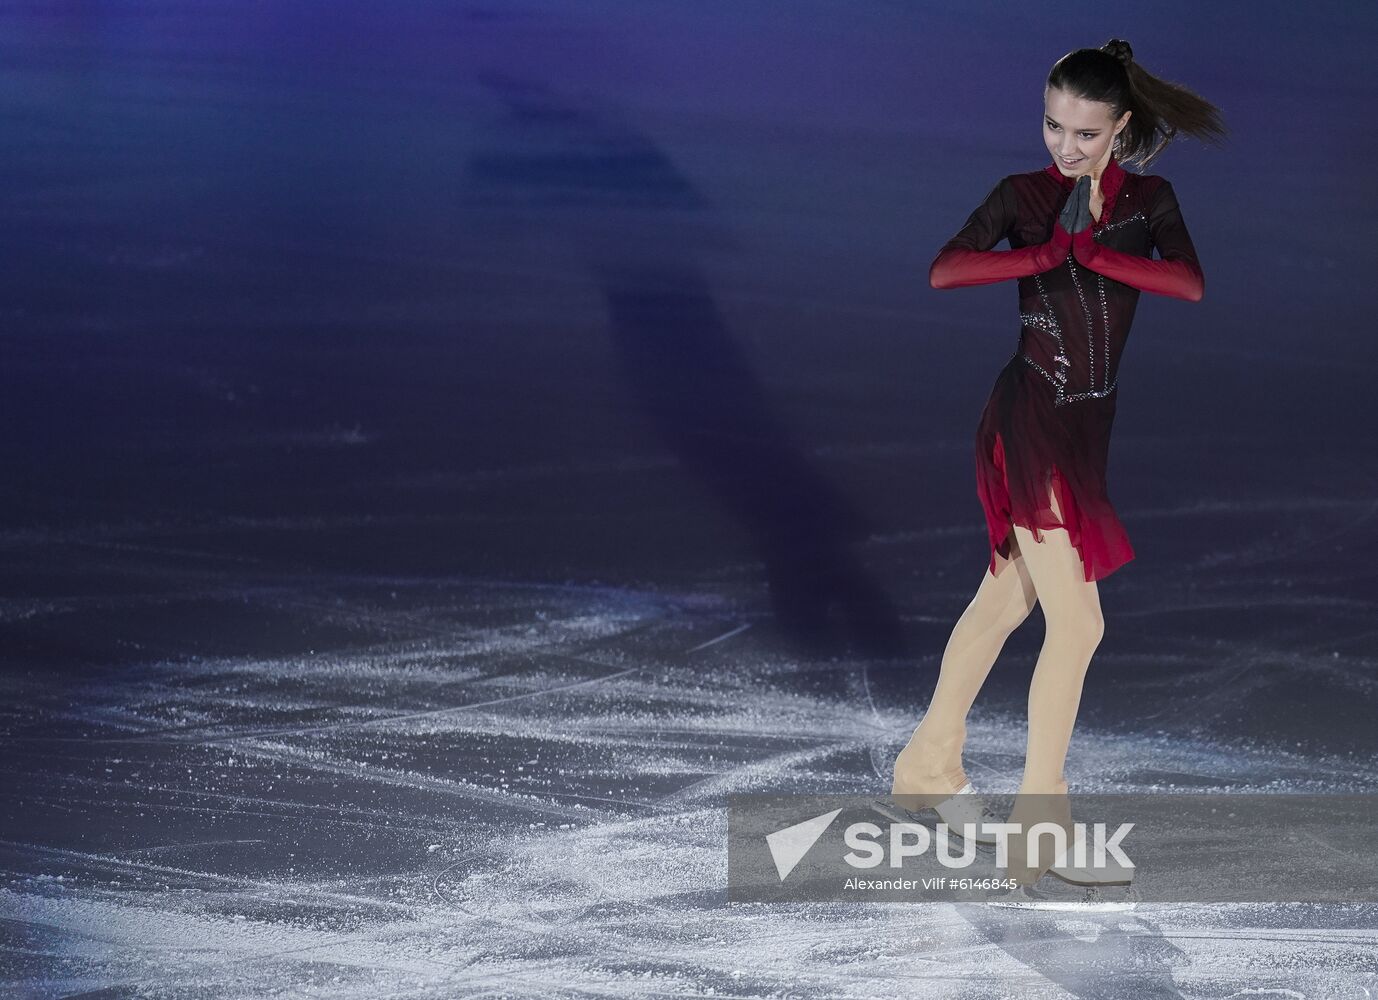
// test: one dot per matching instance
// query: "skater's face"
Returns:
(1079, 130)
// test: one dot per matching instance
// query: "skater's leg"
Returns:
(1074, 627)
(932, 760)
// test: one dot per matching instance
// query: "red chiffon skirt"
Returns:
(1027, 448)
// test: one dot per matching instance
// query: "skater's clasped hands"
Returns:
(1076, 213)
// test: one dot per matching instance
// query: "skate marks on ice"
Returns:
(525, 794)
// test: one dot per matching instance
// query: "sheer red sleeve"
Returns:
(1178, 273)
(967, 258)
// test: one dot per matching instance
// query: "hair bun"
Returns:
(1120, 49)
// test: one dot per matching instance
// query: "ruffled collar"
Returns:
(1111, 179)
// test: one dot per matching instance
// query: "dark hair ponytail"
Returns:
(1161, 109)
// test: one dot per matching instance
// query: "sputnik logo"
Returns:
(788, 846)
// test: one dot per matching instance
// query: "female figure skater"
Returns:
(1082, 231)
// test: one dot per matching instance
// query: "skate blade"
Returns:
(1067, 897)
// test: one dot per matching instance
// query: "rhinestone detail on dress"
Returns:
(1046, 321)
(1123, 222)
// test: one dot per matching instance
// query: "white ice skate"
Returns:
(957, 810)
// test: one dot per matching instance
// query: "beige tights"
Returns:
(1048, 572)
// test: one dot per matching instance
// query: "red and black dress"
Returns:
(1047, 423)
